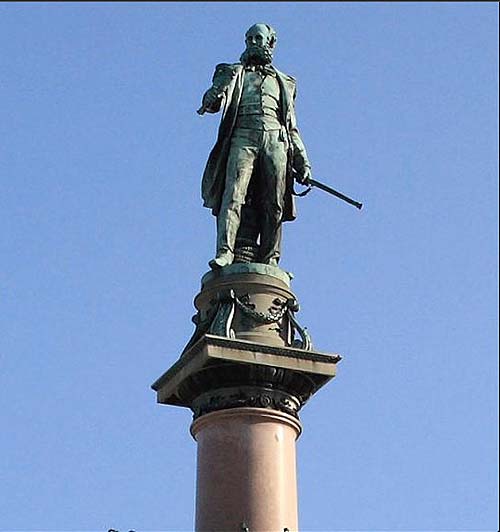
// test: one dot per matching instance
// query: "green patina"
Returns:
(241, 268)
(248, 179)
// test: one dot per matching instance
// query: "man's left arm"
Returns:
(300, 160)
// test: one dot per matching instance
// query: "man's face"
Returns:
(257, 36)
(258, 47)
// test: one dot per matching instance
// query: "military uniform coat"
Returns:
(214, 176)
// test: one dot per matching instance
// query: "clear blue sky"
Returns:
(104, 241)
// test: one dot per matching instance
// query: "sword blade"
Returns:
(335, 193)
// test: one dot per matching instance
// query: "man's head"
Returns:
(260, 42)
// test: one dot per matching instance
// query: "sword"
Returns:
(313, 183)
(335, 193)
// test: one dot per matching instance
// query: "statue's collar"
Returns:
(263, 69)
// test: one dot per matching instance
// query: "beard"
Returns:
(257, 55)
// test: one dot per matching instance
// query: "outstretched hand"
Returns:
(211, 96)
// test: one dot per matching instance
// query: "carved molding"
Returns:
(245, 396)
(294, 352)
(275, 312)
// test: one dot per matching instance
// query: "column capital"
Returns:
(222, 373)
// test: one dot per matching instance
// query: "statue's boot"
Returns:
(225, 258)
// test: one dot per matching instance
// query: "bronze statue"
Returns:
(248, 179)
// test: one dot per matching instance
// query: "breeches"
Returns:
(263, 155)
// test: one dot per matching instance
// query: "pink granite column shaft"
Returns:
(246, 470)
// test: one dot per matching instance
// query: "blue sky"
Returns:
(104, 241)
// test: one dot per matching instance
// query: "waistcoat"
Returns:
(259, 104)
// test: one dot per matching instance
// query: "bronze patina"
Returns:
(249, 176)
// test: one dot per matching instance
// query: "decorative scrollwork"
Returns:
(245, 396)
(202, 327)
(221, 324)
(273, 316)
(218, 318)
(305, 342)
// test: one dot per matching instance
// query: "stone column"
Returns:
(245, 373)
(246, 470)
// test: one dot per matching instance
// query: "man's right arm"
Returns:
(224, 75)
(212, 100)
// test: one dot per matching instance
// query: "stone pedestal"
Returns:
(250, 302)
(245, 373)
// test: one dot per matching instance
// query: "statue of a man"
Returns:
(248, 179)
